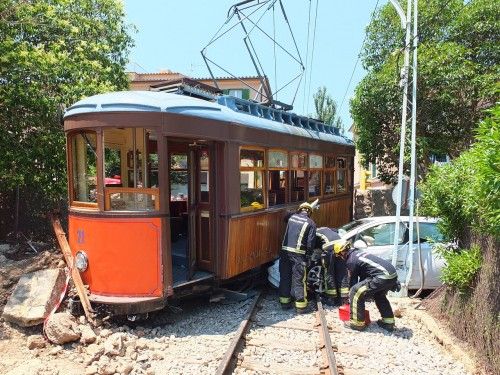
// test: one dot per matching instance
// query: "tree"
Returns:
(457, 80)
(52, 53)
(326, 108)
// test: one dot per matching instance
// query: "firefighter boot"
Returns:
(355, 325)
(387, 326)
(286, 306)
(303, 308)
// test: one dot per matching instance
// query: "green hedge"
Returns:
(465, 194)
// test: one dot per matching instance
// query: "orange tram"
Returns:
(170, 194)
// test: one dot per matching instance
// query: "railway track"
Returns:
(303, 340)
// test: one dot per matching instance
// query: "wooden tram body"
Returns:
(170, 193)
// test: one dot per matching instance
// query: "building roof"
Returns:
(235, 110)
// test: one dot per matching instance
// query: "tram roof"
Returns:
(227, 108)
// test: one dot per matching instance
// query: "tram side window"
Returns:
(130, 169)
(298, 177)
(84, 167)
(315, 166)
(277, 164)
(329, 179)
(251, 179)
(341, 175)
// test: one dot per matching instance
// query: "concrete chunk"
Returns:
(35, 294)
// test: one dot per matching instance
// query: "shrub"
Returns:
(465, 194)
(462, 266)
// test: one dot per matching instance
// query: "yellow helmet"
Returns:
(341, 245)
(309, 206)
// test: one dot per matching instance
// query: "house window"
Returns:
(84, 167)
(278, 165)
(251, 179)
(373, 170)
(238, 93)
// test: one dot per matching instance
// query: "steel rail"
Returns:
(332, 363)
(224, 366)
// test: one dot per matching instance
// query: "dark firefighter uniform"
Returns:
(374, 277)
(335, 270)
(299, 239)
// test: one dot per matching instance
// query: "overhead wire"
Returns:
(312, 53)
(356, 64)
(275, 59)
(307, 58)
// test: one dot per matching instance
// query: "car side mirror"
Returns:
(360, 244)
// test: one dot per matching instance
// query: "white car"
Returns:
(376, 235)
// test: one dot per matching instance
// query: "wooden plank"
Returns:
(75, 274)
(280, 344)
(278, 369)
(296, 326)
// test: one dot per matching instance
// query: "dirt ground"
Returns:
(16, 357)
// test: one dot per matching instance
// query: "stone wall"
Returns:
(474, 316)
(374, 202)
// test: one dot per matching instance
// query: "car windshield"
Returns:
(427, 232)
(350, 226)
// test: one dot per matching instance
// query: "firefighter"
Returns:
(369, 276)
(334, 268)
(299, 239)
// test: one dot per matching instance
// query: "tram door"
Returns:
(200, 221)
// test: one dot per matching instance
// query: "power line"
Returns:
(357, 61)
(307, 57)
(312, 53)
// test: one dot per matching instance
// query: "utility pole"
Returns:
(406, 23)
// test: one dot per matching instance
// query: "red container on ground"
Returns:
(344, 312)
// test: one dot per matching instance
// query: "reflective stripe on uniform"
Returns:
(388, 277)
(293, 250)
(301, 235)
(285, 299)
(301, 304)
(327, 245)
(354, 304)
(376, 265)
(331, 292)
(356, 322)
(344, 291)
(388, 320)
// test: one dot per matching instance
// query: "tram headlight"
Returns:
(81, 261)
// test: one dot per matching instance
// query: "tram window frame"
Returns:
(255, 205)
(72, 164)
(330, 163)
(272, 195)
(341, 170)
(134, 146)
(295, 194)
(314, 169)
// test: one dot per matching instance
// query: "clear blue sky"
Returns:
(170, 35)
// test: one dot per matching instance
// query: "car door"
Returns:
(432, 262)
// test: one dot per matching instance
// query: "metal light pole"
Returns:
(406, 24)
